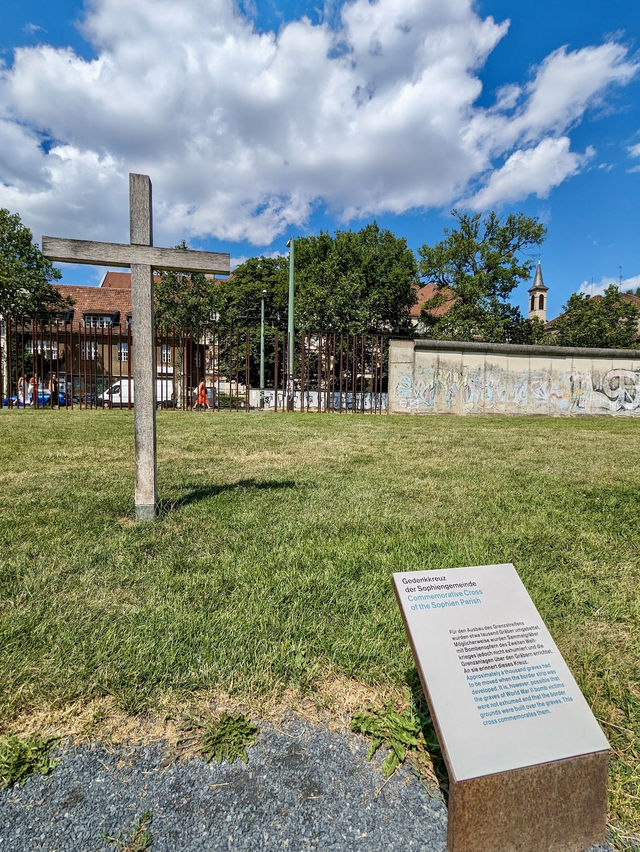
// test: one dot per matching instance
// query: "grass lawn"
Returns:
(269, 569)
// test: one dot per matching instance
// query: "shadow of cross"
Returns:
(142, 257)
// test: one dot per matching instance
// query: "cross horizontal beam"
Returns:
(121, 254)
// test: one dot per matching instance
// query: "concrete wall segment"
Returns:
(438, 377)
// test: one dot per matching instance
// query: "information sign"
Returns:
(500, 693)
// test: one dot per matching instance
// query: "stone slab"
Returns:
(526, 758)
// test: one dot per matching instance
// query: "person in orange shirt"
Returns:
(202, 396)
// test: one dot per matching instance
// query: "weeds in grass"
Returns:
(139, 837)
(399, 731)
(224, 737)
(228, 738)
(22, 757)
(622, 840)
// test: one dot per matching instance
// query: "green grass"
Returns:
(270, 565)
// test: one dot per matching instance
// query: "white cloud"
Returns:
(531, 171)
(634, 150)
(245, 133)
(591, 288)
(32, 29)
(562, 88)
(566, 83)
(235, 262)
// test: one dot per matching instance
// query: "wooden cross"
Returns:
(143, 258)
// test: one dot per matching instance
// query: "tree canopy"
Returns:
(478, 265)
(238, 298)
(25, 274)
(362, 282)
(183, 300)
(358, 282)
(602, 321)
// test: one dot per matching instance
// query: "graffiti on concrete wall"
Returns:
(434, 386)
(620, 389)
(418, 390)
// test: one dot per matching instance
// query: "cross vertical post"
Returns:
(142, 257)
(144, 364)
(290, 330)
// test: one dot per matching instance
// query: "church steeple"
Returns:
(538, 296)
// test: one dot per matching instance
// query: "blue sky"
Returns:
(261, 120)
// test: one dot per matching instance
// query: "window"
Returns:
(48, 348)
(88, 350)
(541, 302)
(165, 354)
(123, 351)
(97, 321)
(533, 303)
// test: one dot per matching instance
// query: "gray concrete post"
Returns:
(144, 360)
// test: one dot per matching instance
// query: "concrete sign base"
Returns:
(554, 807)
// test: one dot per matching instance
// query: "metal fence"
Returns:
(90, 365)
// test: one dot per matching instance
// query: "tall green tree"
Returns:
(26, 292)
(477, 266)
(25, 274)
(183, 303)
(361, 282)
(358, 282)
(238, 303)
(603, 321)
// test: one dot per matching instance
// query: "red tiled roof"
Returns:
(630, 297)
(423, 294)
(117, 281)
(97, 300)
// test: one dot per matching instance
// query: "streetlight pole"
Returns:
(290, 393)
(264, 293)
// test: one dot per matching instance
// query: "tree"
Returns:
(602, 321)
(478, 265)
(183, 301)
(25, 283)
(238, 298)
(238, 304)
(25, 274)
(530, 331)
(357, 282)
